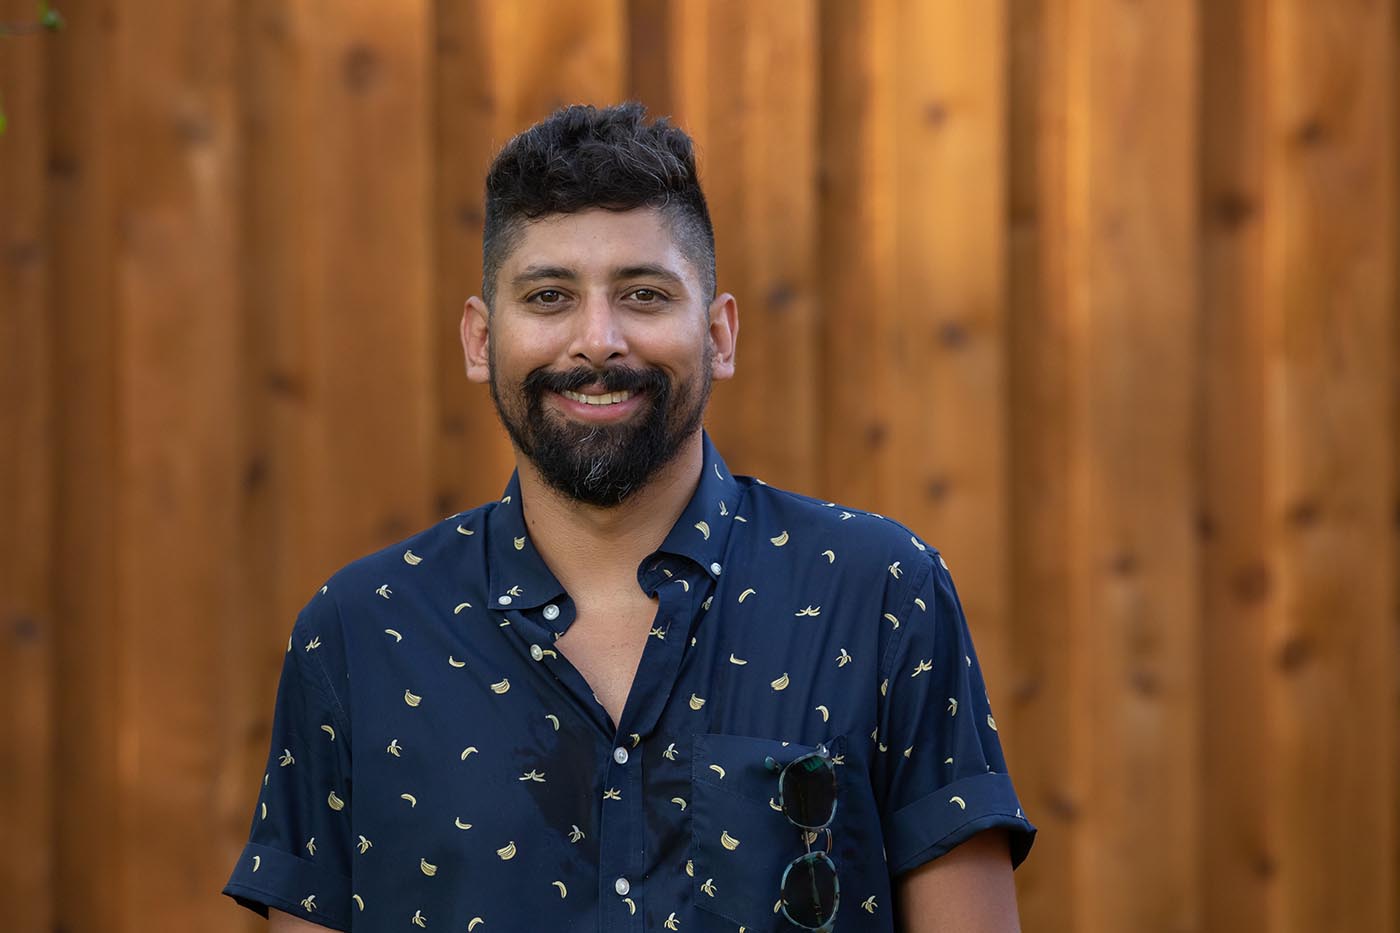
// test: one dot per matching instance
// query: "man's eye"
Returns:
(548, 296)
(646, 295)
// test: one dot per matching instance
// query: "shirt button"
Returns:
(551, 612)
(503, 600)
(714, 568)
(620, 755)
(536, 652)
(621, 887)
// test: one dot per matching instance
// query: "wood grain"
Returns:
(1329, 276)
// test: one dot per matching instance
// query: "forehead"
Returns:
(596, 241)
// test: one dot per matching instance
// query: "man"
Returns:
(638, 692)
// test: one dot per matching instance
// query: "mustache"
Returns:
(613, 379)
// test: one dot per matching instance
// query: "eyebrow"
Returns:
(532, 274)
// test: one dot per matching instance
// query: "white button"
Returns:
(503, 600)
(714, 568)
(551, 612)
(621, 887)
(536, 652)
(620, 755)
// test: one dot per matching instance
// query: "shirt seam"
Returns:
(891, 650)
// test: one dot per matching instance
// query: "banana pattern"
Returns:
(772, 635)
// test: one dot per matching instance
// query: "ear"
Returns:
(724, 333)
(476, 336)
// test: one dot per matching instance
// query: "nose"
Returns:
(598, 335)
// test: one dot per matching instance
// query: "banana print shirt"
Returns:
(437, 765)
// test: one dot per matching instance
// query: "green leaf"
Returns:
(49, 18)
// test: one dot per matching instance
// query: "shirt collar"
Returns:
(517, 572)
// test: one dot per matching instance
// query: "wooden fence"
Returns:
(1100, 296)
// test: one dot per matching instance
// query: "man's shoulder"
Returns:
(860, 532)
(452, 538)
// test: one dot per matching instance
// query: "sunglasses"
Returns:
(807, 796)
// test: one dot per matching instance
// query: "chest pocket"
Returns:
(741, 842)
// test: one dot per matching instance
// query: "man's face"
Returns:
(600, 350)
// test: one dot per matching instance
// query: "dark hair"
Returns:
(583, 157)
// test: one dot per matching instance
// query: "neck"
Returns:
(586, 545)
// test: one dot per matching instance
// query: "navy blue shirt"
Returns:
(437, 764)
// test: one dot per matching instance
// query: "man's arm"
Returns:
(279, 922)
(968, 890)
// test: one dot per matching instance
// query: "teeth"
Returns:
(607, 398)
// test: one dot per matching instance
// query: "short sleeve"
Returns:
(942, 777)
(298, 854)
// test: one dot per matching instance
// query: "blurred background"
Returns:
(1099, 296)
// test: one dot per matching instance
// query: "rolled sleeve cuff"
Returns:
(266, 877)
(934, 824)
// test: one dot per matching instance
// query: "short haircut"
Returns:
(583, 157)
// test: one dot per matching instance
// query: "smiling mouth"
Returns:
(607, 398)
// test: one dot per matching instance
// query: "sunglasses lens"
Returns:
(808, 788)
(809, 890)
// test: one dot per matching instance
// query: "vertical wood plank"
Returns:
(27, 424)
(367, 357)
(1039, 383)
(178, 391)
(858, 191)
(1238, 583)
(81, 78)
(746, 90)
(1330, 276)
(1131, 259)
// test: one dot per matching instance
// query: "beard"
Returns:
(601, 465)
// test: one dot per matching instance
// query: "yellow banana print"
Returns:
(671, 922)
(396, 636)
(520, 543)
(826, 713)
(412, 559)
(469, 750)
(426, 867)
(501, 686)
(718, 770)
(563, 891)
(704, 529)
(991, 722)
(475, 922)
(507, 851)
(679, 801)
(780, 540)
(728, 841)
(412, 800)
(734, 660)
(457, 822)
(359, 901)
(329, 731)
(781, 683)
(747, 593)
(696, 701)
(453, 662)
(962, 804)
(553, 720)
(457, 609)
(335, 802)
(411, 698)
